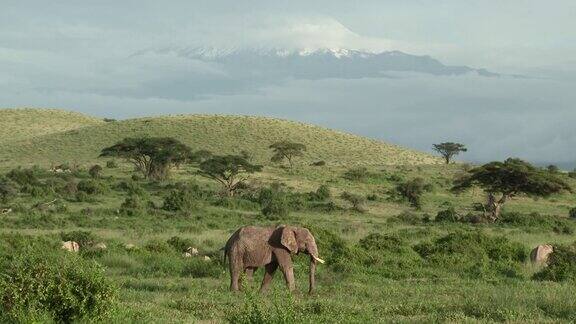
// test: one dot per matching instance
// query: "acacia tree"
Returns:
(285, 150)
(153, 156)
(504, 180)
(448, 150)
(229, 170)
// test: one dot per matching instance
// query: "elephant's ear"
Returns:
(288, 240)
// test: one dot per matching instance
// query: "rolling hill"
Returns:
(52, 136)
(27, 123)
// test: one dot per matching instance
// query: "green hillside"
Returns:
(27, 123)
(69, 137)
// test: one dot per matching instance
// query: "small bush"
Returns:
(356, 174)
(379, 242)
(83, 238)
(318, 163)
(132, 206)
(321, 194)
(158, 246)
(448, 215)
(474, 254)
(199, 268)
(95, 171)
(357, 201)
(185, 197)
(25, 176)
(180, 244)
(538, 221)
(111, 164)
(8, 190)
(132, 188)
(407, 217)
(572, 174)
(572, 213)
(274, 203)
(561, 264)
(37, 286)
(92, 187)
(412, 191)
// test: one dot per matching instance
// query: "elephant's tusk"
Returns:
(318, 259)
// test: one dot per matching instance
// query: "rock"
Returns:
(540, 253)
(5, 210)
(130, 246)
(192, 250)
(207, 258)
(100, 246)
(186, 255)
(71, 246)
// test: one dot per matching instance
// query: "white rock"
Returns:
(71, 246)
(100, 246)
(207, 258)
(186, 255)
(541, 253)
(192, 250)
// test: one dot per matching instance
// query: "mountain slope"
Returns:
(220, 134)
(26, 124)
(320, 63)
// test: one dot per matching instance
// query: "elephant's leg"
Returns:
(250, 273)
(288, 271)
(235, 272)
(269, 270)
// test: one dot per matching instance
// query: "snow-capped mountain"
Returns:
(319, 63)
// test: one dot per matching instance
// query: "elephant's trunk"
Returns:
(313, 251)
(312, 275)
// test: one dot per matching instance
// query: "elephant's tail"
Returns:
(224, 256)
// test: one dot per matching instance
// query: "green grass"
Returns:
(156, 284)
(27, 123)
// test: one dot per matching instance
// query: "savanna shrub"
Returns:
(95, 171)
(132, 188)
(321, 194)
(448, 215)
(357, 201)
(25, 176)
(259, 310)
(318, 163)
(378, 242)
(111, 164)
(407, 217)
(356, 174)
(538, 221)
(572, 174)
(8, 190)
(561, 264)
(92, 187)
(199, 268)
(389, 256)
(185, 197)
(274, 203)
(83, 238)
(412, 191)
(37, 285)
(474, 254)
(572, 213)
(180, 244)
(158, 246)
(132, 206)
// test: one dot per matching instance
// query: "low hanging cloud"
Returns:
(86, 57)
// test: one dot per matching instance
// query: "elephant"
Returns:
(251, 247)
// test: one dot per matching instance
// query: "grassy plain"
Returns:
(157, 284)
